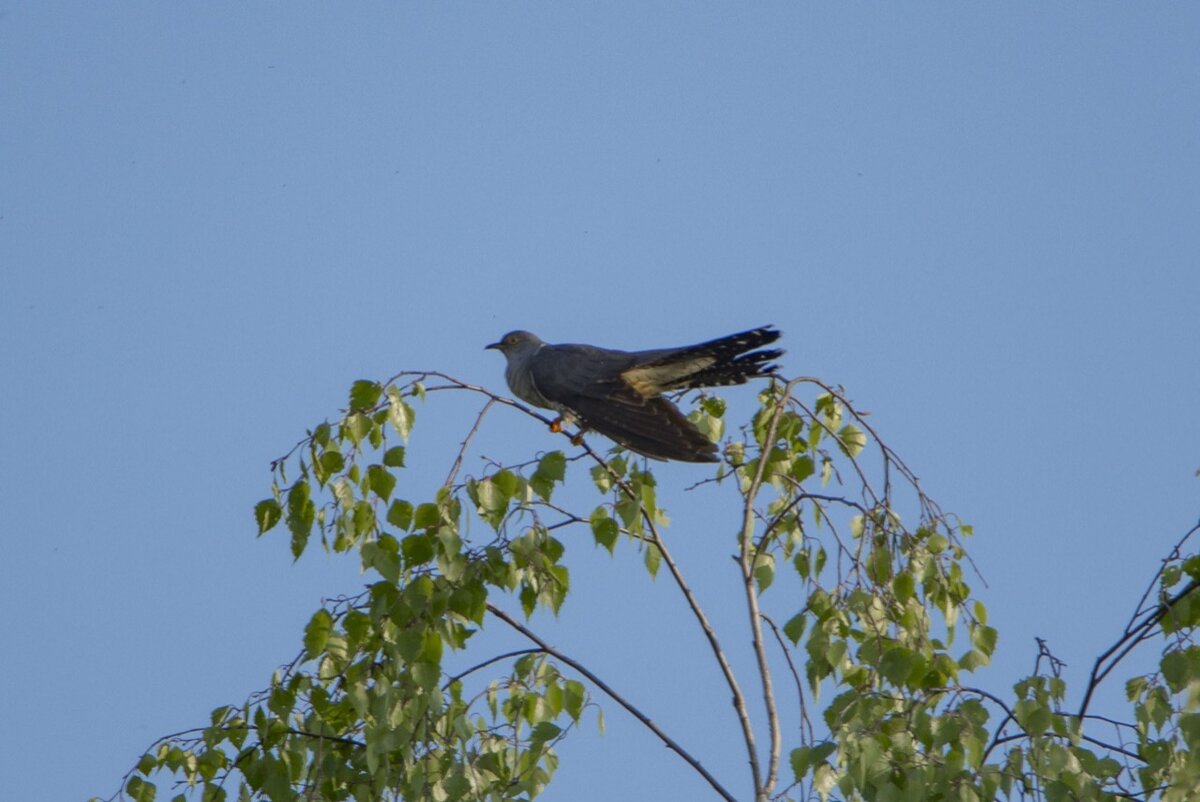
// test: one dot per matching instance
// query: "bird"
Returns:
(620, 393)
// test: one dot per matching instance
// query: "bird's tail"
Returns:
(731, 362)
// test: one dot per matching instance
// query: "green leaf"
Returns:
(904, 586)
(456, 786)
(973, 660)
(1189, 725)
(139, 790)
(653, 559)
(330, 462)
(802, 468)
(316, 634)
(300, 515)
(320, 435)
(364, 394)
(267, 512)
(602, 478)
(491, 499)
(879, 564)
(381, 481)
(1180, 668)
(507, 483)
(383, 557)
(1033, 716)
(551, 469)
(764, 571)
(630, 513)
(431, 648)
(281, 701)
(980, 612)
(1184, 614)
(604, 529)
(400, 514)
(896, 665)
(807, 757)
(574, 697)
(713, 405)
(852, 440)
(469, 601)
(417, 550)
(394, 457)
(408, 644)
(400, 414)
(427, 515)
(528, 597)
(524, 665)
(984, 639)
(357, 426)
(544, 731)
(375, 434)
(363, 518)
(711, 426)
(794, 628)
(937, 543)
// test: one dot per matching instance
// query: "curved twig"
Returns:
(458, 460)
(667, 740)
(710, 634)
(787, 656)
(496, 659)
(1137, 630)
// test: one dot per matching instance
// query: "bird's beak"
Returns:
(496, 346)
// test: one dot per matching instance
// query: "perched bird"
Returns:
(619, 393)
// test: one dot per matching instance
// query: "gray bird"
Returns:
(619, 393)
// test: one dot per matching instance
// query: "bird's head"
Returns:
(517, 344)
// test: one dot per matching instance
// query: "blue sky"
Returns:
(982, 220)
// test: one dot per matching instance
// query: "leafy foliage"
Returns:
(853, 580)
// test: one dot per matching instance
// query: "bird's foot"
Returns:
(558, 425)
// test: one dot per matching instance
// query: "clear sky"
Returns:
(982, 219)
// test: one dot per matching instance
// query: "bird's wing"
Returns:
(592, 383)
(650, 426)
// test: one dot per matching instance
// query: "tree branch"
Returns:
(747, 557)
(667, 740)
(804, 720)
(1138, 630)
(486, 663)
(739, 699)
(458, 460)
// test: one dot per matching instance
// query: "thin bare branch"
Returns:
(667, 740)
(458, 460)
(1141, 626)
(710, 634)
(515, 653)
(747, 557)
(787, 656)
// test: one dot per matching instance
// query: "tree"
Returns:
(872, 612)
